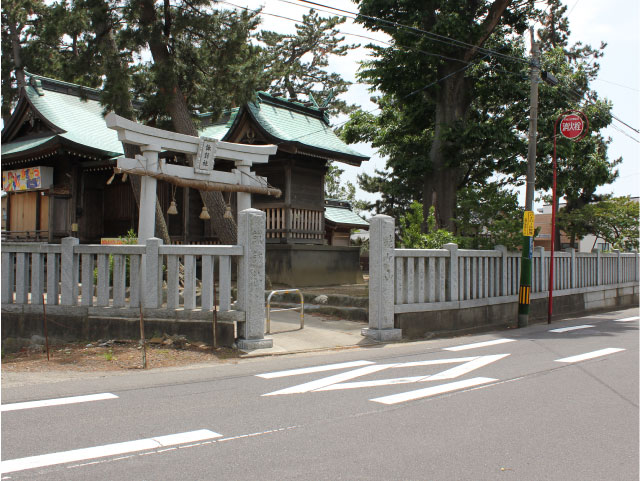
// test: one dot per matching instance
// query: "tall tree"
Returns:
(487, 97)
(447, 106)
(297, 63)
(202, 61)
(613, 219)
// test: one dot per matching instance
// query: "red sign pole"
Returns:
(574, 126)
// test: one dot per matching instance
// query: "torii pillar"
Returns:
(251, 268)
(201, 176)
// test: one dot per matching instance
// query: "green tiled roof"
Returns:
(24, 145)
(80, 119)
(215, 131)
(306, 126)
(341, 215)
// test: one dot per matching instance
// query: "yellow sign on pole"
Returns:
(527, 224)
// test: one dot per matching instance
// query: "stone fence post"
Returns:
(453, 285)
(382, 280)
(599, 273)
(251, 236)
(504, 280)
(540, 276)
(8, 277)
(618, 266)
(151, 279)
(69, 270)
(573, 283)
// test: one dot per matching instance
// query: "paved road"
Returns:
(528, 404)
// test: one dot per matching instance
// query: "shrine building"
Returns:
(58, 160)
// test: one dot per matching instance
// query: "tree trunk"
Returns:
(16, 52)
(452, 104)
(441, 183)
(225, 229)
(113, 67)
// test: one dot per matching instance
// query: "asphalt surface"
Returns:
(519, 406)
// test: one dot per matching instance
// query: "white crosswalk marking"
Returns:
(308, 370)
(57, 402)
(337, 381)
(433, 390)
(573, 328)
(478, 344)
(627, 319)
(590, 355)
(75, 455)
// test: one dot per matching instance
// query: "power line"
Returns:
(568, 89)
(616, 84)
(414, 30)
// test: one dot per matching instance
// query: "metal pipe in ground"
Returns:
(214, 340)
(46, 335)
(143, 340)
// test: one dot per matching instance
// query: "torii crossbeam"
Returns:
(201, 176)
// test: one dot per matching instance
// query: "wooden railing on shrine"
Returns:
(304, 224)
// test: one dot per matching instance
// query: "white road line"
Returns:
(327, 381)
(57, 402)
(307, 370)
(627, 319)
(466, 367)
(574, 328)
(432, 391)
(590, 355)
(478, 344)
(32, 462)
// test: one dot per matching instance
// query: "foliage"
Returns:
(455, 117)
(296, 63)
(411, 236)
(615, 220)
(335, 189)
(489, 215)
(130, 238)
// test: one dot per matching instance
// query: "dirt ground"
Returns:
(124, 355)
(115, 356)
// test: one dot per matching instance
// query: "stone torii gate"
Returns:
(202, 176)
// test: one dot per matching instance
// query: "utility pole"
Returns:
(528, 221)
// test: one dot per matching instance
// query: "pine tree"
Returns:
(296, 64)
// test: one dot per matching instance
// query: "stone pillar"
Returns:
(244, 198)
(541, 281)
(151, 279)
(573, 283)
(37, 277)
(382, 280)
(599, 273)
(22, 278)
(251, 235)
(147, 217)
(618, 266)
(69, 270)
(504, 279)
(8, 277)
(453, 287)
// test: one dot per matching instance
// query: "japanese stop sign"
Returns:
(572, 126)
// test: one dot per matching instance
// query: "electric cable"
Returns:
(415, 30)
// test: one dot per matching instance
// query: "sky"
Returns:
(615, 22)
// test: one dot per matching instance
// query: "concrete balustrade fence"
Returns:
(112, 281)
(416, 291)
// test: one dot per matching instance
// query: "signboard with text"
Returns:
(572, 126)
(206, 153)
(27, 179)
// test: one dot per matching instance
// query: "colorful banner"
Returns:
(23, 179)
